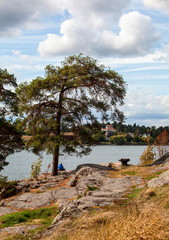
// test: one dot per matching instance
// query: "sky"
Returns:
(129, 36)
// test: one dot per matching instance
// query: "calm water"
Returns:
(20, 163)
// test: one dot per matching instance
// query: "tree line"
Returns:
(129, 134)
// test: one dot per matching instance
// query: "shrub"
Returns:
(7, 188)
(148, 156)
(161, 144)
(119, 139)
(98, 138)
(36, 168)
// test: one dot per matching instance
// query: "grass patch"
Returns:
(135, 192)
(26, 216)
(150, 177)
(154, 175)
(131, 173)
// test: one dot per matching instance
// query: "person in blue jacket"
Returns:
(60, 167)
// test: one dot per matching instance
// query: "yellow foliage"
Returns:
(148, 156)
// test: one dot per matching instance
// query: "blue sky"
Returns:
(130, 36)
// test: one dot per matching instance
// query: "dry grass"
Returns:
(160, 197)
(144, 217)
(147, 224)
(142, 171)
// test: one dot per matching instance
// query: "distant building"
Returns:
(68, 135)
(109, 130)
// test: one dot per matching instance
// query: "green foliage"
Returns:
(119, 139)
(138, 139)
(66, 98)
(148, 156)
(153, 175)
(98, 138)
(134, 193)
(7, 188)
(10, 140)
(27, 215)
(148, 134)
(36, 168)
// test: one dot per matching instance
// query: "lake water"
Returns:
(20, 163)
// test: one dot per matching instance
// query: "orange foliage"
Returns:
(162, 144)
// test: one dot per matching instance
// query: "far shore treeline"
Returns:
(123, 134)
(128, 134)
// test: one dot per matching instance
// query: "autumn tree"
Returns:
(148, 156)
(72, 95)
(161, 144)
(10, 140)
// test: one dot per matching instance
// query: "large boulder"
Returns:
(94, 166)
(160, 181)
(164, 159)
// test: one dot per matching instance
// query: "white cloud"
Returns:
(146, 107)
(136, 36)
(163, 67)
(162, 5)
(93, 34)
(21, 13)
(162, 55)
(86, 9)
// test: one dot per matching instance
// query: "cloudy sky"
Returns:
(130, 36)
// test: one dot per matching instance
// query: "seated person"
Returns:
(60, 167)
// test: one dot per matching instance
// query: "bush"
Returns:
(7, 188)
(119, 139)
(148, 156)
(98, 138)
(36, 168)
(161, 144)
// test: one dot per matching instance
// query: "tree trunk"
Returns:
(58, 121)
(55, 162)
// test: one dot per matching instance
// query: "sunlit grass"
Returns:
(26, 216)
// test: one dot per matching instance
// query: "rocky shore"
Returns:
(89, 187)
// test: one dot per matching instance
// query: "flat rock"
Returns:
(94, 189)
(6, 210)
(35, 200)
(8, 231)
(93, 201)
